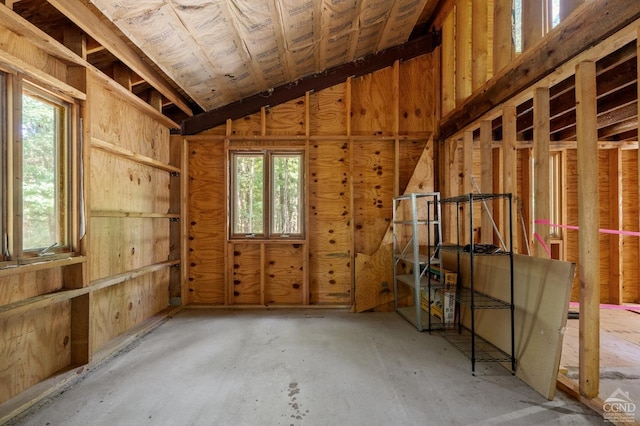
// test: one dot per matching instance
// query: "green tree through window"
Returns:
(267, 194)
(43, 183)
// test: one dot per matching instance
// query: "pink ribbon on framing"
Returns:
(575, 228)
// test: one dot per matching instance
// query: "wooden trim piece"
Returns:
(130, 155)
(591, 24)
(84, 18)
(120, 213)
(39, 266)
(588, 222)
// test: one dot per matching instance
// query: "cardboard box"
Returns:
(443, 304)
(450, 277)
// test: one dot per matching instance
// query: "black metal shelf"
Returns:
(480, 300)
(469, 342)
(484, 350)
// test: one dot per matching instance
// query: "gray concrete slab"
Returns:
(298, 367)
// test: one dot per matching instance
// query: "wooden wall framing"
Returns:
(599, 179)
(363, 140)
(59, 316)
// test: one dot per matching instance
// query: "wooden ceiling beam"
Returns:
(331, 77)
(91, 24)
(592, 23)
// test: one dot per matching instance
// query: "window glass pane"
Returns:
(248, 194)
(43, 173)
(287, 194)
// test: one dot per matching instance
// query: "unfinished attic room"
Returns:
(319, 212)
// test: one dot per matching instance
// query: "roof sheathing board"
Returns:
(221, 51)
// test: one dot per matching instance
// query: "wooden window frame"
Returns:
(14, 85)
(268, 156)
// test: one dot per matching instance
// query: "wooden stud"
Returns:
(510, 166)
(534, 22)
(184, 221)
(467, 181)
(463, 61)
(81, 348)
(479, 42)
(616, 212)
(75, 40)
(80, 14)
(306, 293)
(450, 188)
(155, 100)
(122, 75)
(588, 222)
(486, 180)
(542, 189)
(448, 64)
(502, 41)
(352, 247)
(396, 128)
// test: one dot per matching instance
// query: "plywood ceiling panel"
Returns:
(221, 51)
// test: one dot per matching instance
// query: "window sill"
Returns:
(40, 263)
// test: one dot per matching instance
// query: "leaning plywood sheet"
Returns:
(541, 298)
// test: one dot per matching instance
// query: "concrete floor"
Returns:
(298, 367)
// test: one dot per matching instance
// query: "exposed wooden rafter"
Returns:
(82, 16)
(411, 49)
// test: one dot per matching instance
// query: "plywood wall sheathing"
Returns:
(248, 266)
(417, 102)
(207, 217)
(33, 346)
(286, 119)
(373, 192)
(284, 274)
(372, 104)
(328, 111)
(119, 308)
(330, 223)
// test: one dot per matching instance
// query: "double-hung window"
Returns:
(35, 172)
(267, 199)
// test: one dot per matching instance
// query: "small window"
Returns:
(44, 168)
(267, 194)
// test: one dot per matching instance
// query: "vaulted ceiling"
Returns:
(217, 52)
(217, 59)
